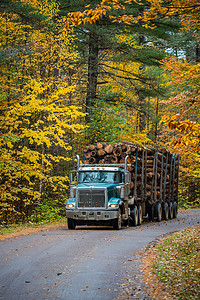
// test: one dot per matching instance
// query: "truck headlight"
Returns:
(114, 205)
(70, 205)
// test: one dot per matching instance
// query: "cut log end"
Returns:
(92, 147)
(109, 148)
(117, 151)
(101, 152)
(100, 145)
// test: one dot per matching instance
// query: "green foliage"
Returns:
(108, 119)
(47, 210)
(29, 12)
(49, 78)
(177, 264)
(189, 191)
(37, 115)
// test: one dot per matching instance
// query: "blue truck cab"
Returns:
(99, 195)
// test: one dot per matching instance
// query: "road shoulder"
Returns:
(29, 230)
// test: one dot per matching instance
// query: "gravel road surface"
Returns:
(86, 263)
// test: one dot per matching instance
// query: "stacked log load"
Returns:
(154, 172)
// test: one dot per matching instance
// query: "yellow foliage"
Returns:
(189, 129)
(186, 141)
(45, 7)
(37, 115)
(188, 12)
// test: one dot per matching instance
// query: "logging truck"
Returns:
(120, 185)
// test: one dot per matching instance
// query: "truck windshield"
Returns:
(99, 176)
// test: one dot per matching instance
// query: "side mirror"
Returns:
(122, 177)
(72, 191)
(73, 177)
(127, 178)
(121, 191)
(118, 191)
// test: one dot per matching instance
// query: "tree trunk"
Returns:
(156, 123)
(142, 98)
(42, 165)
(197, 53)
(92, 73)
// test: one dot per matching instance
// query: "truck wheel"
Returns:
(158, 212)
(151, 213)
(71, 223)
(134, 216)
(139, 214)
(117, 223)
(170, 210)
(175, 209)
(126, 222)
(165, 211)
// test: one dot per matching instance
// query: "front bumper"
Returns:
(92, 215)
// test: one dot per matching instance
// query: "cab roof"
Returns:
(99, 169)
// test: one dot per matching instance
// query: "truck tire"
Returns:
(139, 214)
(126, 222)
(158, 212)
(71, 223)
(151, 213)
(170, 211)
(117, 223)
(165, 211)
(175, 209)
(134, 216)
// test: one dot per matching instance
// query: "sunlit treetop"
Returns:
(187, 11)
(48, 8)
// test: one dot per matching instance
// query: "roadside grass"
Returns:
(26, 228)
(177, 264)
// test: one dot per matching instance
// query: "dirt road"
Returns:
(86, 263)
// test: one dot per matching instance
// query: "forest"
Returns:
(78, 72)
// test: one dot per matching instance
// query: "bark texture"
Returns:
(154, 172)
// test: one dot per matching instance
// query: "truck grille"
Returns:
(91, 198)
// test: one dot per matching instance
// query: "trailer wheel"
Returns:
(71, 223)
(165, 211)
(117, 223)
(134, 216)
(175, 209)
(139, 214)
(158, 211)
(170, 210)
